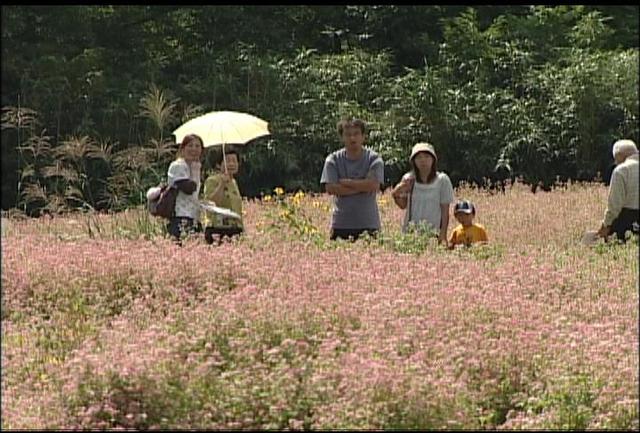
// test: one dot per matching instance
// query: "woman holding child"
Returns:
(425, 193)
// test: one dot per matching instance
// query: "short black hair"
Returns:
(216, 158)
(351, 123)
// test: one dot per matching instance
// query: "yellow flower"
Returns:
(267, 198)
(278, 191)
(299, 195)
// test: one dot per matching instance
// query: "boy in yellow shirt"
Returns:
(467, 232)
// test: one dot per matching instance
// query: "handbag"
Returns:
(164, 205)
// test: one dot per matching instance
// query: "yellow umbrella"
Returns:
(218, 128)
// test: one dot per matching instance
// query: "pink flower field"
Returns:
(106, 324)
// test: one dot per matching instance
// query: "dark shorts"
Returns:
(351, 234)
(627, 220)
(179, 226)
(219, 233)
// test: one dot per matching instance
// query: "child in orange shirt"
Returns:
(467, 232)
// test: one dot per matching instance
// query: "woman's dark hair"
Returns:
(217, 156)
(188, 139)
(416, 172)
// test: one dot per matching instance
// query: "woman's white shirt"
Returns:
(425, 200)
(187, 205)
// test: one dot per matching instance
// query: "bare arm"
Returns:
(215, 192)
(339, 189)
(372, 182)
(361, 185)
(444, 221)
(401, 192)
(218, 194)
(400, 196)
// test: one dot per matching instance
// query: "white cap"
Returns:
(423, 147)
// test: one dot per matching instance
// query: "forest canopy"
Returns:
(90, 94)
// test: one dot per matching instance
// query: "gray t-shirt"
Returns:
(357, 211)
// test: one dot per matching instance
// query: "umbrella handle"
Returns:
(224, 160)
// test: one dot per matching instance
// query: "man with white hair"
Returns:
(623, 204)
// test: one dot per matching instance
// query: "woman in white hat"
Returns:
(425, 193)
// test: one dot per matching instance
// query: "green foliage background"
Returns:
(90, 94)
